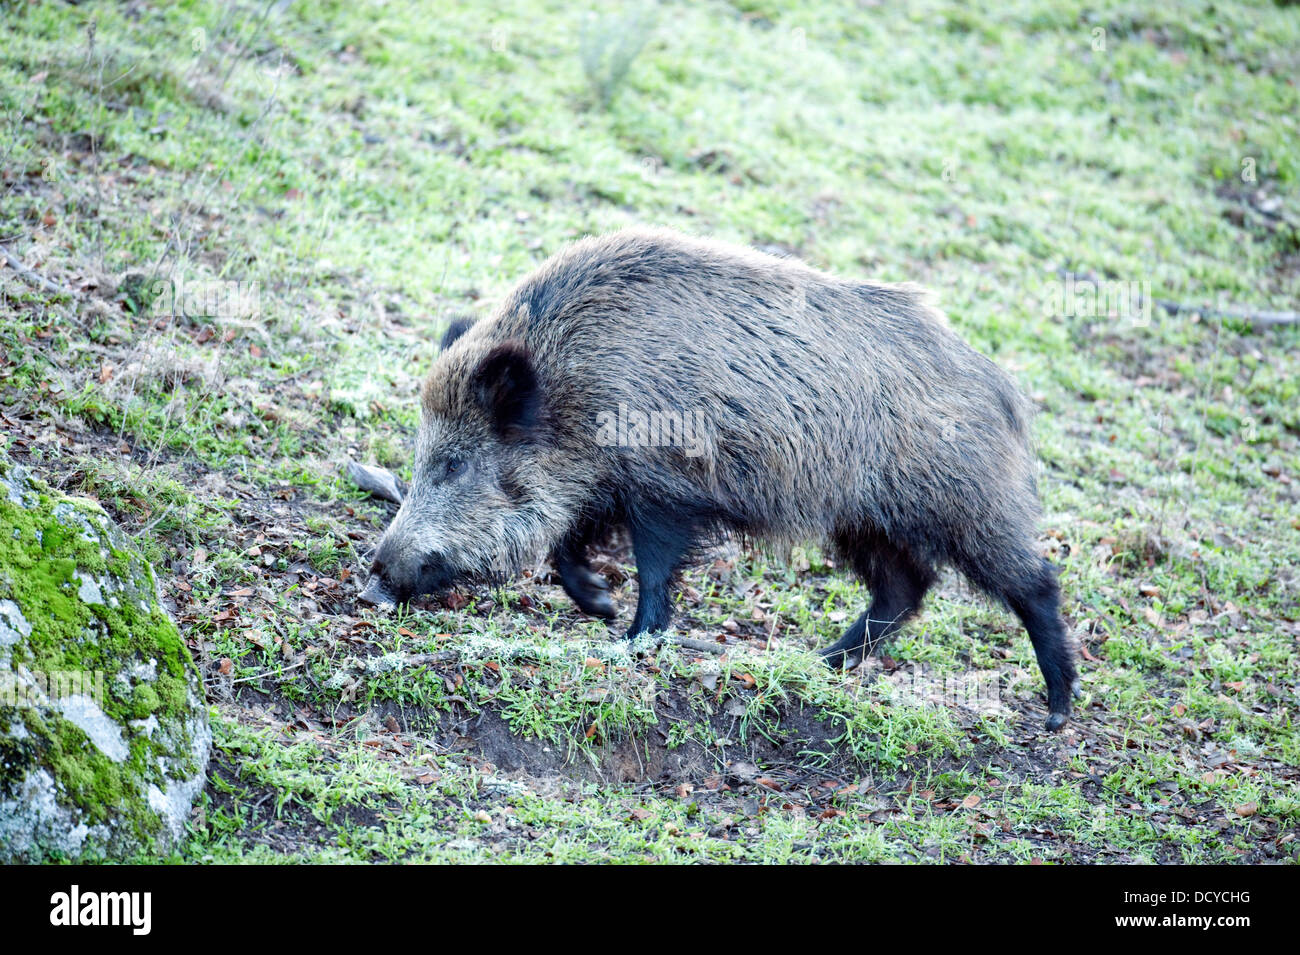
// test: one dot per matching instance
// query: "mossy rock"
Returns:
(104, 735)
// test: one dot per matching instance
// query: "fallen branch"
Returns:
(1246, 314)
(700, 646)
(263, 675)
(32, 278)
(1254, 316)
(378, 482)
(425, 659)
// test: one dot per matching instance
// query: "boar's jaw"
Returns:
(435, 576)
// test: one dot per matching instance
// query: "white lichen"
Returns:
(35, 822)
(13, 627)
(84, 713)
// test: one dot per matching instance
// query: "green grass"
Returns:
(369, 171)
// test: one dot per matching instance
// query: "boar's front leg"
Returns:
(660, 546)
(585, 587)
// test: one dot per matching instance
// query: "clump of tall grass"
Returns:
(608, 45)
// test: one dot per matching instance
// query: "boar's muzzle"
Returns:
(376, 594)
(391, 584)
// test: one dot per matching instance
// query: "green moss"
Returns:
(144, 701)
(171, 693)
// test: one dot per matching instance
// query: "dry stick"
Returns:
(700, 646)
(1246, 314)
(424, 659)
(378, 482)
(263, 675)
(31, 278)
(409, 659)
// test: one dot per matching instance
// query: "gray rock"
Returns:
(104, 735)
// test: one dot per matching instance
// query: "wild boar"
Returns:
(688, 389)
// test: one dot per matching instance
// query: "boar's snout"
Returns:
(393, 583)
(376, 594)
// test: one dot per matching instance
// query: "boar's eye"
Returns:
(455, 468)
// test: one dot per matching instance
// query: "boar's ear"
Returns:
(506, 387)
(459, 326)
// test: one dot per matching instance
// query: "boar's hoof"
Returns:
(1056, 720)
(839, 658)
(1077, 689)
(599, 605)
(375, 594)
(588, 590)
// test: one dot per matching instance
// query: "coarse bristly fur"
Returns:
(790, 405)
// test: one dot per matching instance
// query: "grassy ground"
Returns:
(352, 174)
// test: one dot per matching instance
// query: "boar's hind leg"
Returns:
(1036, 601)
(660, 545)
(584, 586)
(898, 583)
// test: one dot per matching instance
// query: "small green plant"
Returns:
(609, 44)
